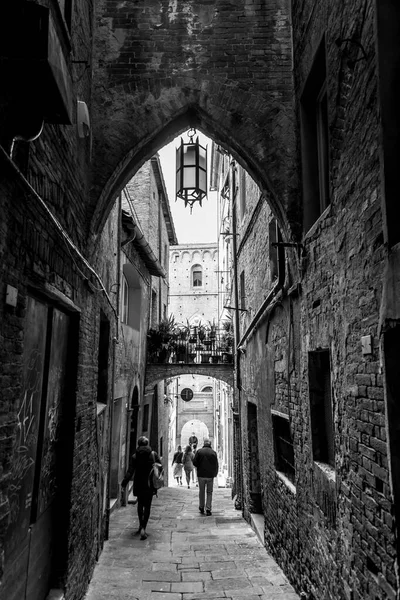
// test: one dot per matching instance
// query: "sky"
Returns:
(201, 225)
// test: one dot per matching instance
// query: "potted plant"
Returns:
(160, 340)
(192, 334)
(205, 357)
(180, 352)
(201, 332)
(227, 340)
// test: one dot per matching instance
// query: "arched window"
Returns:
(197, 276)
(207, 389)
(124, 300)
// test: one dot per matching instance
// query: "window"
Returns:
(66, 11)
(166, 256)
(145, 422)
(154, 308)
(131, 297)
(319, 378)
(273, 250)
(242, 192)
(124, 300)
(197, 276)
(102, 360)
(242, 291)
(283, 444)
(315, 141)
(207, 389)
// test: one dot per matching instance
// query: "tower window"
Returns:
(197, 276)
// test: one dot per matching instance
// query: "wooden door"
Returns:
(32, 534)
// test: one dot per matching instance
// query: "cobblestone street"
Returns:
(186, 556)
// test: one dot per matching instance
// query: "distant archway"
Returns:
(198, 427)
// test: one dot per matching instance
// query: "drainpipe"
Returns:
(237, 406)
(115, 341)
(277, 287)
(235, 273)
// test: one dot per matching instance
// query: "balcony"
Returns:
(175, 350)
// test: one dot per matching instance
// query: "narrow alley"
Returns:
(186, 556)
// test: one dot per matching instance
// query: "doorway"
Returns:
(36, 538)
(254, 461)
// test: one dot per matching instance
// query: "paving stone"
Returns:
(190, 586)
(160, 596)
(205, 596)
(224, 573)
(156, 586)
(196, 576)
(228, 583)
(215, 562)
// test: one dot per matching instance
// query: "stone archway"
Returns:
(193, 425)
(163, 66)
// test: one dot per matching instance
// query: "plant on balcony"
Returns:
(160, 340)
(227, 340)
(201, 332)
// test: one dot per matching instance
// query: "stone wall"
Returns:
(224, 68)
(337, 537)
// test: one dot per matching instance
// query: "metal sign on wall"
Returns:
(186, 394)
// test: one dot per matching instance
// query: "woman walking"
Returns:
(187, 462)
(140, 465)
(177, 464)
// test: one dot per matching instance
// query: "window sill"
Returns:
(286, 481)
(310, 232)
(326, 470)
(100, 407)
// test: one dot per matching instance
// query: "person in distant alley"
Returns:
(177, 465)
(193, 441)
(187, 462)
(206, 462)
(140, 465)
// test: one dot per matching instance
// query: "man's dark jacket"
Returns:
(140, 466)
(206, 462)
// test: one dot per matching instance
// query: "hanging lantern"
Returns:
(191, 171)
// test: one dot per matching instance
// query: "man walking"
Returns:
(206, 462)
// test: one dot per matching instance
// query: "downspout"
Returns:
(237, 393)
(160, 315)
(235, 273)
(115, 341)
(277, 287)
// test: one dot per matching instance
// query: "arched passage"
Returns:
(161, 67)
(196, 427)
(157, 372)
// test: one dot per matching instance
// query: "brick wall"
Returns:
(337, 537)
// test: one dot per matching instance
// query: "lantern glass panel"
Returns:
(189, 177)
(202, 180)
(189, 154)
(202, 157)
